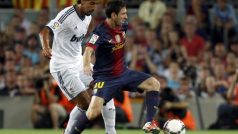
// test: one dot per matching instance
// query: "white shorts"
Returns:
(72, 81)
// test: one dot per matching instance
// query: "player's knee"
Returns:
(86, 103)
(83, 105)
(82, 102)
(93, 113)
(154, 84)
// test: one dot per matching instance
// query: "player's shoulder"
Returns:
(100, 29)
(67, 10)
(65, 14)
(98, 34)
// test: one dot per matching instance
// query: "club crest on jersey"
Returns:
(55, 25)
(93, 39)
(118, 38)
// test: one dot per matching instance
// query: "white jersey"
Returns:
(69, 29)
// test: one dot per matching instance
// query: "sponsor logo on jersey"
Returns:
(110, 41)
(77, 39)
(118, 38)
(117, 47)
(93, 39)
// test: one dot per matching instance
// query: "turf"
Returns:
(30, 131)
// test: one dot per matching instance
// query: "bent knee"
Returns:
(84, 104)
(154, 84)
(82, 101)
(93, 113)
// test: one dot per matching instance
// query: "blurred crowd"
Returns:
(197, 57)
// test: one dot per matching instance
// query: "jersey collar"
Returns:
(81, 17)
(116, 30)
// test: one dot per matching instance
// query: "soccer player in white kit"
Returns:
(66, 32)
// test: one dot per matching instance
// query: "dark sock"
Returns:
(151, 101)
(82, 123)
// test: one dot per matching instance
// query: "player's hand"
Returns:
(47, 52)
(88, 70)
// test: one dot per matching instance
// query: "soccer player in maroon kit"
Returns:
(110, 72)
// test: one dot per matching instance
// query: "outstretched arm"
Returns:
(45, 40)
(87, 60)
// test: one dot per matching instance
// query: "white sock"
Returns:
(109, 117)
(74, 116)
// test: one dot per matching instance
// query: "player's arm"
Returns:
(91, 27)
(90, 47)
(87, 60)
(51, 29)
(45, 39)
(230, 91)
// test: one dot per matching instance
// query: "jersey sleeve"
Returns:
(55, 26)
(59, 23)
(94, 41)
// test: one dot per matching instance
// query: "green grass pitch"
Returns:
(96, 131)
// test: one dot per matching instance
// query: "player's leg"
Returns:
(109, 117)
(73, 118)
(108, 111)
(151, 86)
(82, 100)
(93, 111)
(104, 92)
(74, 89)
(147, 83)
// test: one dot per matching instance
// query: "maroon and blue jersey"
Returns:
(110, 72)
(109, 46)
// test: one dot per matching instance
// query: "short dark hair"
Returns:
(114, 6)
(78, 1)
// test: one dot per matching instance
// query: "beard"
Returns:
(89, 13)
